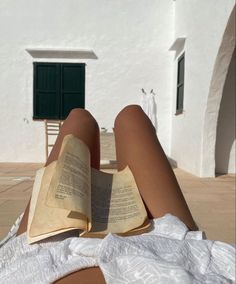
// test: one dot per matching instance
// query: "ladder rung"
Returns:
(52, 128)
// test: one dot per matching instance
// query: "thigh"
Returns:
(81, 124)
(138, 147)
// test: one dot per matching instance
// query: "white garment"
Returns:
(168, 254)
(148, 105)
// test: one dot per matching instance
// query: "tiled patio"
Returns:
(211, 200)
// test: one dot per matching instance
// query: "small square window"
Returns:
(58, 88)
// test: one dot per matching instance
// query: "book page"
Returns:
(117, 206)
(44, 221)
(70, 187)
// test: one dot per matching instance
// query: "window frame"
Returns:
(180, 83)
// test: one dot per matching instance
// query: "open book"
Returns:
(68, 194)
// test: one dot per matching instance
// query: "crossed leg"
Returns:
(138, 147)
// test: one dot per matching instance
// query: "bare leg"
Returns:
(138, 147)
(81, 124)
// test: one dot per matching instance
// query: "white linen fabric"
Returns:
(148, 105)
(170, 253)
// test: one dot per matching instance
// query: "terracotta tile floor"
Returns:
(16, 181)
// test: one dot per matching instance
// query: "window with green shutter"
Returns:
(58, 88)
(180, 86)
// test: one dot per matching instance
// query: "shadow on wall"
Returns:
(225, 138)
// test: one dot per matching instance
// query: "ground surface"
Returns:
(211, 200)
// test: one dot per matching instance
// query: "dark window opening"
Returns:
(180, 86)
(58, 88)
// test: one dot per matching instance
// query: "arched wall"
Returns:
(221, 67)
(225, 137)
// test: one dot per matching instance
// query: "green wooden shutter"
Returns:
(58, 88)
(46, 91)
(72, 87)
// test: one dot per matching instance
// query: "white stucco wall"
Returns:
(130, 39)
(203, 24)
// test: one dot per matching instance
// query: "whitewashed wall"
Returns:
(203, 24)
(130, 39)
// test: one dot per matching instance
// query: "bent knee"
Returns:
(127, 113)
(80, 112)
(82, 115)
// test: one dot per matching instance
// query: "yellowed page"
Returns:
(117, 206)
(46, 221)
(33, 200)
(70, 187)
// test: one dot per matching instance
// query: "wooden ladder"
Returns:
(52, 128)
